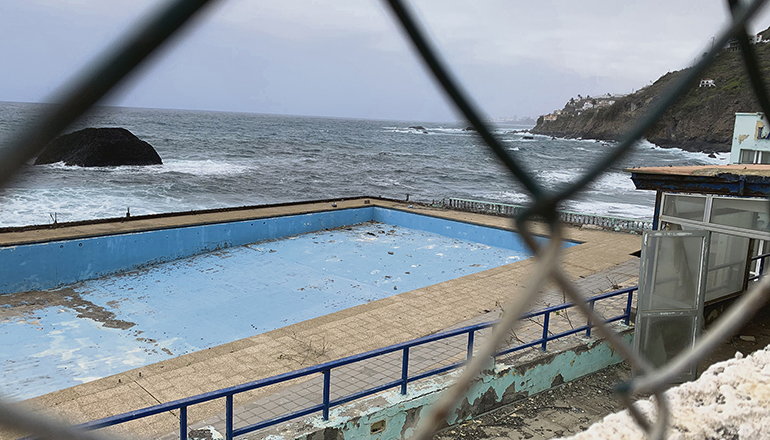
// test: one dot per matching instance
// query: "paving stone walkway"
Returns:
(377, 371)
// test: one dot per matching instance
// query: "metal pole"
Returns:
(628, 306)
(469, 353)
(404, 370)
(229, 417)
(327, 387)
(183, 423)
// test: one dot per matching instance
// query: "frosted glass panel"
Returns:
(727, 265)
(688, 207)
(672, 278)
(663, 337)
(742, 213)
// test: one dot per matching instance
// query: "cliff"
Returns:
(702, 120)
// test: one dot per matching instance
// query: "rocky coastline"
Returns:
(700, 121)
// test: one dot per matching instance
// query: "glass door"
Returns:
(672, 284)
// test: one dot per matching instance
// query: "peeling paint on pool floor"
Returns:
(62, 337)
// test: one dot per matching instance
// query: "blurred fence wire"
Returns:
(118, 62)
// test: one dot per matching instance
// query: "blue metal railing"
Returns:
(326, 368)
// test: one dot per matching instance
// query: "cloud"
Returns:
(349, 58)
(598, 38)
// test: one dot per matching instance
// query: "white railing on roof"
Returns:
(618, 224)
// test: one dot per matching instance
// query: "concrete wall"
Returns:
(47, 265)
(390, 415)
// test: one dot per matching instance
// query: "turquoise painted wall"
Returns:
(402, 413)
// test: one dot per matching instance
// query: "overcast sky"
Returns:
(347, 57)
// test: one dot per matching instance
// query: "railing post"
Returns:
(327, 388)
(229, 417)
(469, 353)
(183, 423)
(546, 320)
(588, 324)
(628, 306)
(404, 370)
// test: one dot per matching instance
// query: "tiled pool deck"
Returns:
(374, 372)
(363, 327)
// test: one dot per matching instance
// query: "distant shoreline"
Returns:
(689, 146)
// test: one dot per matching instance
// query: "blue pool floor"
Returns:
(62, 337)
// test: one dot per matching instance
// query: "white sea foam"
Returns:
(614, 209)
(721, 158)
(403, 130)
(614, 182)
(66, 204)
(578, 140)
(205, 168)
(431, 130)
(195, 167)
(509, 197)
(448, 130)
(559, 176)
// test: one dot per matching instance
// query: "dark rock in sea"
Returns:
(99, 147)
(417, 127)
(469, 129)
(712, 155)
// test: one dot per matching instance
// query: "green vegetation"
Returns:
(702, 119)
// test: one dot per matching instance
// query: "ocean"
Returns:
(219, 159)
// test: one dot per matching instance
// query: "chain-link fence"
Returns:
(114, 66)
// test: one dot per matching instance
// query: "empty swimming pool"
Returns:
(60, 337)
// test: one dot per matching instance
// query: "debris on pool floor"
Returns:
(62, 337)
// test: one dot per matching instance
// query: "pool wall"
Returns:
(47, 265)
